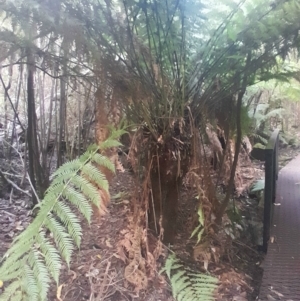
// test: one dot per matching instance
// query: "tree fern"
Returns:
(35, 257)
(188, 285)
(260, 114)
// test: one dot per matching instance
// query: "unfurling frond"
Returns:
(35, 257)
(188, 285)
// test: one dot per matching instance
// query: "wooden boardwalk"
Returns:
(281, 277)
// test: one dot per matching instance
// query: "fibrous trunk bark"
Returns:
(166, 183)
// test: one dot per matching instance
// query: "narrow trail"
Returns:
(281, 278)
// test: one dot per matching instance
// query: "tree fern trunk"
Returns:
(166, 183)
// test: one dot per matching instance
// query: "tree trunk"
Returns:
(31, 131)
(238, 142)
(166, 183)
(37, 178)
(62, 108)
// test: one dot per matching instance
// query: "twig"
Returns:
(103, 287)
(8, 181)
(11, 103)
(11, 195)
(26, 173)
(10, 174)
(153, 208)
(8, 213)
(3, 177)
(244, 245)
(178, 140)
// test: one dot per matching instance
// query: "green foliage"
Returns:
(263, 141)
(262, 113)
(258, 185)
(188, 285)
(199, 230)
(246, 122)
(259, 145)
(35, 255)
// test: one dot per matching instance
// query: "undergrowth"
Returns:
(35, 257)
(188, 285)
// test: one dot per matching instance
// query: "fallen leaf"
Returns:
(277, 293)
(108, 244)
(1, 283)
(92, 273)
(74, 275)
(20, 228)
(58, 292)
(205, 264)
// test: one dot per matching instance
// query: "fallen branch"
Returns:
(8, 181)
(26, 173)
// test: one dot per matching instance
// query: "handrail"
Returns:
(271, 175)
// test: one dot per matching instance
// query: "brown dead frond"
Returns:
(238, 181)
(134, 251)
(214, 140)
(130, 251)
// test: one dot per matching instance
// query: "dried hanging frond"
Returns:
(215, 142)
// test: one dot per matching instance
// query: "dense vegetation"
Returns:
(188, 80)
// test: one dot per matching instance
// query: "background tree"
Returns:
(157, 63)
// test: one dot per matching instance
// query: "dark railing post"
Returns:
(271, 175)
(268, 197)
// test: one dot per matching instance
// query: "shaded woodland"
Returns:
(132, 128)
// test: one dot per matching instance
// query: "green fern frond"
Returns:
(70, 221)
(102, 161)
(188, 285)
(79, 200)
(10, 292)
(259, 185)
(94, 175)
(13, 270)
(88, 190)
(61, 237)
(35, 256)
(30, 285)
(67, 168)
(263, 140)
(116, 133)
(40, 273)
(51, 255)
(110, 143)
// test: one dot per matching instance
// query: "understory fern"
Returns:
(188, 285)
(36, 255)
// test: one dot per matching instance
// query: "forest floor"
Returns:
(97, 269)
